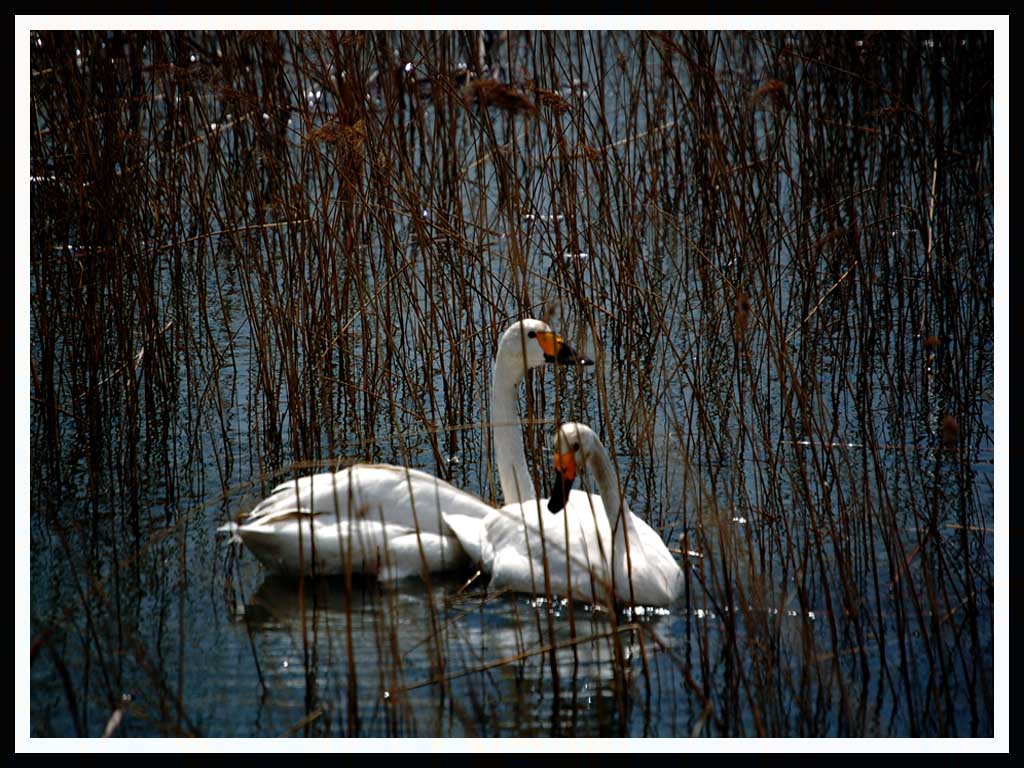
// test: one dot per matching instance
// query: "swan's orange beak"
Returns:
(565, 465)
(565, 473)
(557, 351)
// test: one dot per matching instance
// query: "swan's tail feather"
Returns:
(231, 528)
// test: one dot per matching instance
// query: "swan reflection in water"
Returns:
(389, 640)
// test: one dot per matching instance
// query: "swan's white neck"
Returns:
(619, 516)
(625, 537)
(513, 473)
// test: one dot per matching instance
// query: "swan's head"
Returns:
(539, 344)
(574, 443)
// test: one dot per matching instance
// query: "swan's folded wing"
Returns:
(314, 494)
(383, 492)
(469, 530)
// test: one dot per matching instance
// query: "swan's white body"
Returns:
(388, 520)
(372, 518)
(586, 554)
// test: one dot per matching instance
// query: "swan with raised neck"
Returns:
(525, 344)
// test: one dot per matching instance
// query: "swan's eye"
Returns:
(532, 334)
(575, 447)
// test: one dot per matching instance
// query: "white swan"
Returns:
(517, 344)
(524, 344)
(387, 520)
(626, 557)
(373, 518)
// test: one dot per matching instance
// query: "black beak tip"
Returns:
(567, 356)
(559, 493)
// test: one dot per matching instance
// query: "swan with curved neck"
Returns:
(524, 344)
(577, 549)
(389, 520)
